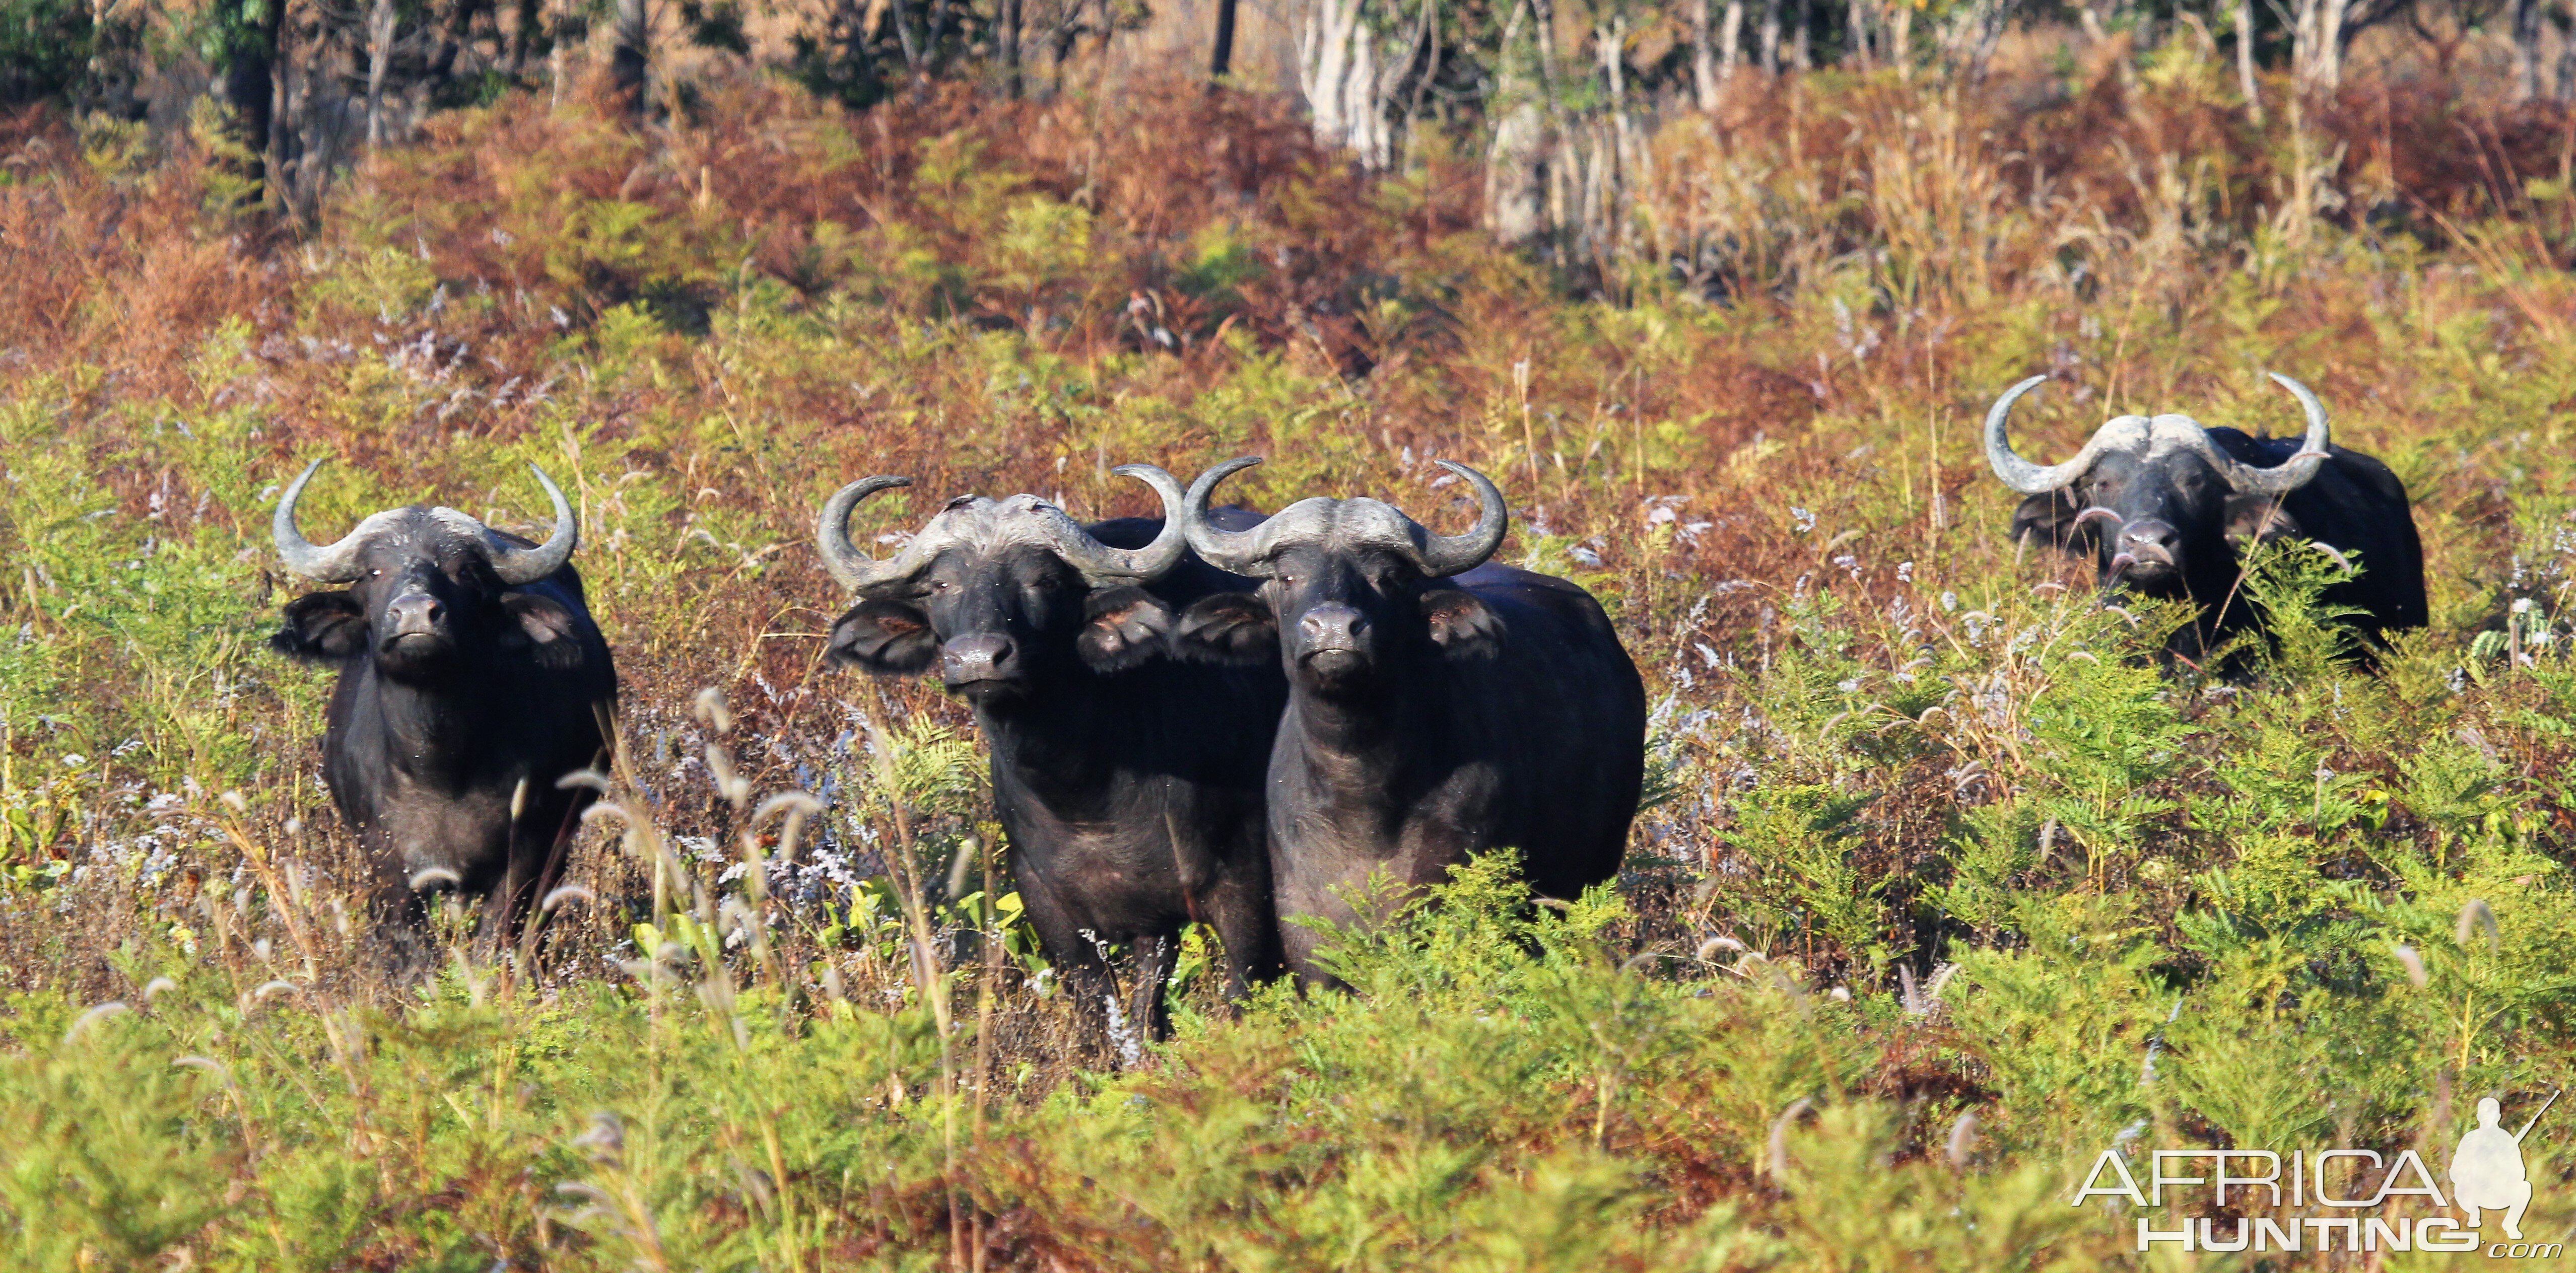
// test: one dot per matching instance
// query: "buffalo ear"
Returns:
(1230, 627)
(885, 637)
(549, 627)
(322, 627)
(1462, 625)
(2258, 519)
(1122, 628)
(2049, 518)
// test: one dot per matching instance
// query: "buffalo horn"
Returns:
(849, 567)
(336, 562)
(2293, 473)
(1247, 552)
(1451, 554)
(519, 567)
(1097, 560)
(1239, 551)
(2021, 474)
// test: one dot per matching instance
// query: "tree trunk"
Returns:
(2526, 47)
(1516, 162)
(2245, 81)
(1703, 56)
(1009, 37)
(1621, 163)
(523, 31)
(250, 86)
(1899, 35)
(632, 55)
(2566, 86)
(1801, 50)
(1730, 37)
(1422, 66)
(1221, 60)
(1770, 37)
(1856, 19)
(1980, 27)
(2316, 45)
(1337, 66)
(381, 27)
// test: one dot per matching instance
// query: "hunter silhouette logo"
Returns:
(2487, 1172)
(2312, 1199)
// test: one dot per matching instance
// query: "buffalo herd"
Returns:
(1268, 725)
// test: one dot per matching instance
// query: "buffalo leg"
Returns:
(1147, 1012)
(1090, 985)
(1240, 912)
(503, 906)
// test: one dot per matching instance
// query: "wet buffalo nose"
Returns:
(2155, 536)
(415, 613)
(1332, 627)
(976, 658)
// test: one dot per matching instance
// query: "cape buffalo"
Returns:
(1438, 707)
(471, 679)
(2163, 505)
(1129, 784)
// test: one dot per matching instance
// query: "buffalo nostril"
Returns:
(969, 658)
(1331, 625)
(416, 613)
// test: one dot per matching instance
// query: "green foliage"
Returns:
(44, 47)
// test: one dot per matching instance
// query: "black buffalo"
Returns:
(471, 679)
(2163, 505)
(1438, 707)
(1129, 783)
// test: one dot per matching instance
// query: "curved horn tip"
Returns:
(843, 560)
(1099, 561)
(519, 567)
(1452, 554)
(2016, 472)
(1207, 481)
(323, 563)
(1236, 551)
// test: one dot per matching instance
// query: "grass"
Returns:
(1943, 887)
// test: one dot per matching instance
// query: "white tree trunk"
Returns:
(1704, 55)
(1516, 177)
(1338, 68)
(2316, 44)
(380, 55)
(2245, 81)
(1730, 39)
(1516, 162)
